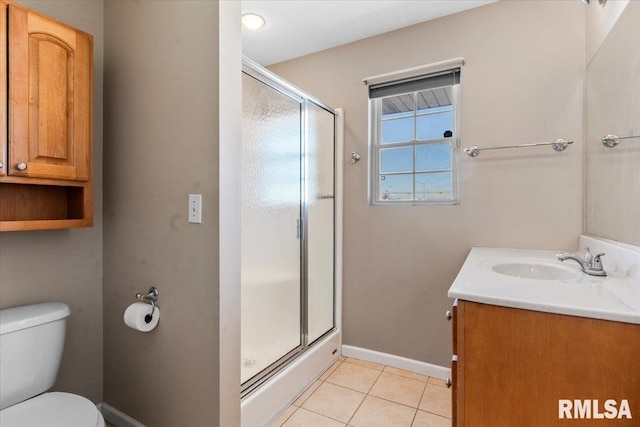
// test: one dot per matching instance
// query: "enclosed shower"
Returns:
(288, 231)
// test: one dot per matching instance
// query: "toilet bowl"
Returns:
(31, 345)
(53, 410)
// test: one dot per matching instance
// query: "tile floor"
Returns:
(356, 393)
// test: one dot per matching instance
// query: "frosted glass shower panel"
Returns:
(320, 218)
(271, 206)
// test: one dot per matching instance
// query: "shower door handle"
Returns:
(300, 229)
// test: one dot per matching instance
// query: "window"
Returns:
(414, 138)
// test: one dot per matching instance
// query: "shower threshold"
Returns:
(261, 404)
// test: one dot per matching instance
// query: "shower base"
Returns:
(265, 404)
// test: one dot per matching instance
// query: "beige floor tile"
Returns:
(437, 381)
(355, 377)
(283, 417)
(304, 418)
(376, 412)
(371, 365)
(436, 400)
(304, 396)
(408, 374)
(334, 402)
(330, 370)
(426, 419)
(406, 391)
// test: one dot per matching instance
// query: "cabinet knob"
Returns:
(447, 382)
(1, 165)
(448, 315)
(22, 166)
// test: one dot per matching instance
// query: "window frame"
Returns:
(376, 145)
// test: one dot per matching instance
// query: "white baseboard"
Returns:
(396, 361)
(117, 418)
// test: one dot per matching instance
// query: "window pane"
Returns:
(396, 160)
(440, 97)
(432, 110)
(414, 142)
(397, 130)
(396, 187)
(397, 105)
(431, 157)
(434, 186)
(398, 115)
(432, 126)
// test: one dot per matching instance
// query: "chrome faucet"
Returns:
(591, 265)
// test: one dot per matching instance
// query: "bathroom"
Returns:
(163, 71)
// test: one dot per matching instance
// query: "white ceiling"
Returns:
(299, 27)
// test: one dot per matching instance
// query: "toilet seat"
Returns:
(54, 409)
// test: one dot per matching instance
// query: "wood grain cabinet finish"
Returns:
(514, 366)
(47, 142)
(3, 92)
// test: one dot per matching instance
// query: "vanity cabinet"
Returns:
(46, 132)
(512, 367)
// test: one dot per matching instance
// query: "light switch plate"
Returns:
(195, 208)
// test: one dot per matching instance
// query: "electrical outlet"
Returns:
(195, 208)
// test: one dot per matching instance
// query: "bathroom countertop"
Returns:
(614, 297)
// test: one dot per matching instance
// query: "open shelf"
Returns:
(37, 207)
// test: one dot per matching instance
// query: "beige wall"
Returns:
(161, 120)
(599, 21)
(523, 82)
(162, 131)
(230, 114)
(66, 265)
(613, 107)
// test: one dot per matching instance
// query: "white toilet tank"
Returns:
(31, 345)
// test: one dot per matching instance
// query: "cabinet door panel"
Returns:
(515, 365)
(3, 93)
(49, 109)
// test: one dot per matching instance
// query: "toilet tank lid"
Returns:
(27, 316)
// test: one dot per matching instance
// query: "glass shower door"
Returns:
(271, 211)
(320, 202)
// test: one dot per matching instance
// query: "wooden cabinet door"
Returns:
(514, 366)
(50, 98)
(3, 92)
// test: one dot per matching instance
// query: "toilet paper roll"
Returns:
(134, 317)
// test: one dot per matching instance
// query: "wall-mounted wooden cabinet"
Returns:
(46, 132)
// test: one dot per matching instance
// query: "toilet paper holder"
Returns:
(151, 298)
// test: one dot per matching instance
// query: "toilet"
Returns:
(31, 345)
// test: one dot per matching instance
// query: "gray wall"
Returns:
(161, 121)
(66, 265)
(523, 82)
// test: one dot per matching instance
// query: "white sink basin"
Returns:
(539, 270)
(536, 280)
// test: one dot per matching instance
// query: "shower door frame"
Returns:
(256, 71)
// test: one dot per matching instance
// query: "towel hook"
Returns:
(151, 297)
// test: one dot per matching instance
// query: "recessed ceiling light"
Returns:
(252, 21)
